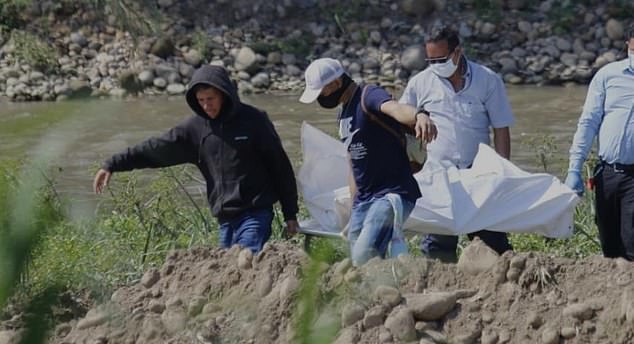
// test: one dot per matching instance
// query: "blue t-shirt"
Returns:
(379, 161)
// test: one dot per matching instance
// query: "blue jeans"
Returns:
(250, 230)
(371, 227)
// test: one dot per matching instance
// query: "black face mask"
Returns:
(332, 100)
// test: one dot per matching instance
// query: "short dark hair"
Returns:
(630, 32)
(444, 33)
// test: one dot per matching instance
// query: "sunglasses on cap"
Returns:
(436, 60)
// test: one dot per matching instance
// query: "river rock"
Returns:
(413, 58)
(614, 29)
(36, 76)
(289, 59)
(146, 77)
(193, 57)
(79, 39)
(563, 44)
(487, 29)
(569, 59)
(163, 48)
(159, 83)
(274, 57)
(293, 70)
(174, 89)
(245, 59)
(508, 65)
(261, 80)
(186, 71)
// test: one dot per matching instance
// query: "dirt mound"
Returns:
(216, 296)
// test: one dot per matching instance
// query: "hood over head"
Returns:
(217, 77)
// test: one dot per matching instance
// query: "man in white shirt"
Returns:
(464, 100)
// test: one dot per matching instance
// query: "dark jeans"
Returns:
(250, 230)
(444, 247)
(615, 210)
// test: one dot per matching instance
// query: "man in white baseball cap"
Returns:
(371, 125)
(319, 74)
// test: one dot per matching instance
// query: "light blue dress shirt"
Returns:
(463, 118)
(608, 110)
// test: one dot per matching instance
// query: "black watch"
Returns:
(419, 111)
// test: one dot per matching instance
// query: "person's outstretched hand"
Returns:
(101, 180)
(425, 128)
(574, 181)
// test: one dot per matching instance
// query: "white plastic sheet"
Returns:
(494, 194)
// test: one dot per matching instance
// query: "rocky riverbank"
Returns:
(267, 45)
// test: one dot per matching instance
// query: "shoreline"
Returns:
(267, 46)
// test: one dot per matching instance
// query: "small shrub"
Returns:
(33, 51)
(200, 42)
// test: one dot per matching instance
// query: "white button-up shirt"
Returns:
(463, 118)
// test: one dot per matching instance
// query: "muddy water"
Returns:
(96, 129)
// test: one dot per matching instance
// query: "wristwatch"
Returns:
(419, 111)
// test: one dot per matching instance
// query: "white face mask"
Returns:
(630, 54)
(444, 70)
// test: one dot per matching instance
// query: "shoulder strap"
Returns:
(376, 119)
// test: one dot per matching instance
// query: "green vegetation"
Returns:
(139, 17)
(32, 50)
(12, 13)
(27, 211)
(584, 241)
(490, 10)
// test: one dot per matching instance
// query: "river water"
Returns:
(93, 130)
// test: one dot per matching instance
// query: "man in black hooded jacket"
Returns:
(238, 152)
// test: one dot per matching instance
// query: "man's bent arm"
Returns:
(403, 113)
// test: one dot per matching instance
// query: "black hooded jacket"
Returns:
(239, 152)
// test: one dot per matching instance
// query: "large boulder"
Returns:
(246, 60)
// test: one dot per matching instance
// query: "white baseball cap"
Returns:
(319, 73)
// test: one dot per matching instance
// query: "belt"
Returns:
(619, 167)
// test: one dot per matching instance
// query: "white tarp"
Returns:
(494, 194)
